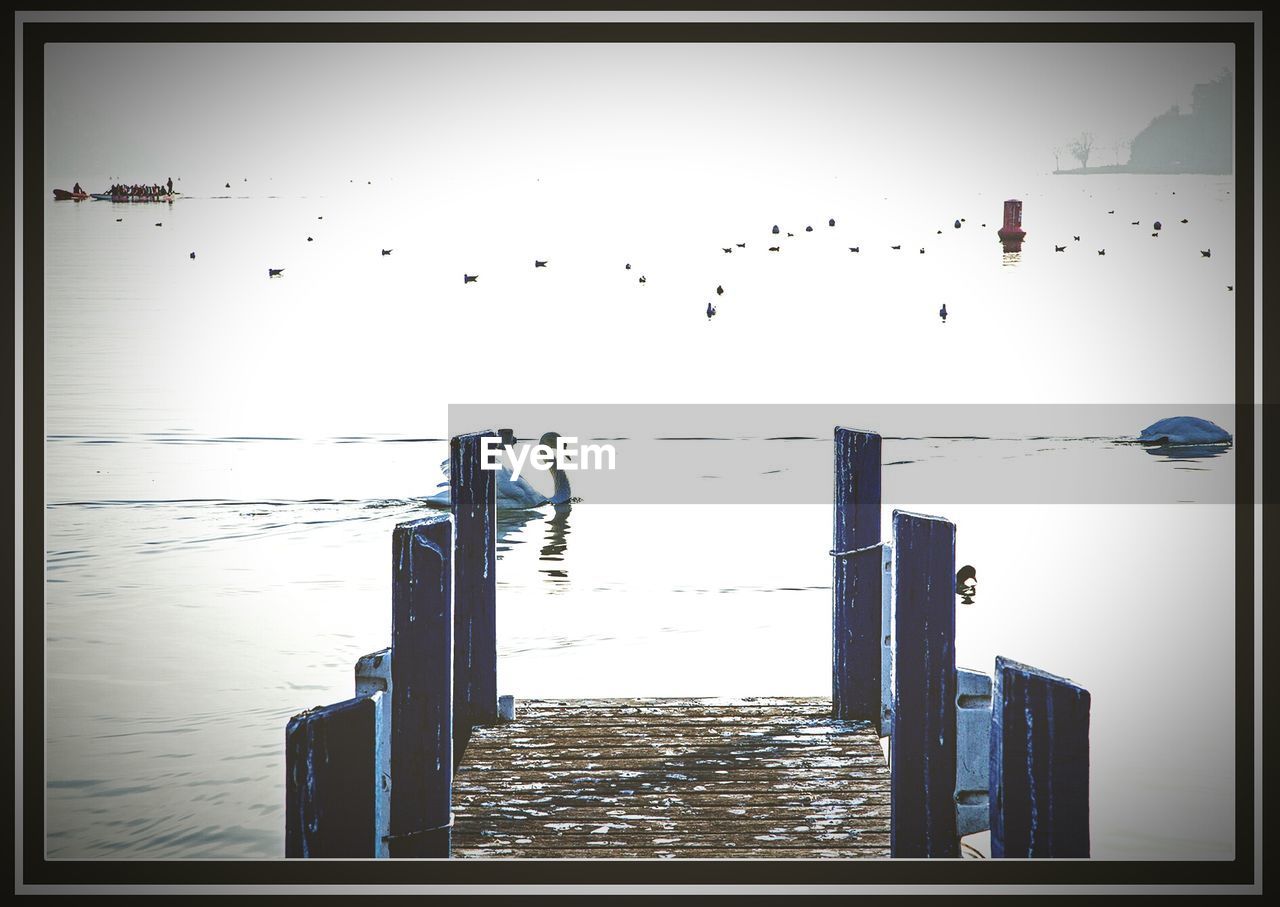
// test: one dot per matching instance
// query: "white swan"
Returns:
(512, 493)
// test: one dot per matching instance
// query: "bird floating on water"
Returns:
(831, 222)
(711, 311)
(119, 220)
(895, 247)
(942, 313)
(808, 229)
(1230, 287)
(957, 225)
(791, 234)
(642, 280)
(922, 250)
(741, 245)
(160, 225)
(775, 248)
(719, 291)
(1059, 248)
(1111, 212)
(775, 229)
(966, 584)
(1102, 251)
(628, 266)
(1157, 225)
(274, 272)
(193, 255)
(1206, 252)
(854, 248)
(1076, 238)
(511, 493)
(728, 251)
(470, 278)
(1184, 220)
(539, 264)
(386, 251)
(309, 239)
(1135, 223)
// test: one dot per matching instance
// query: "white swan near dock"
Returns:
(512, 493)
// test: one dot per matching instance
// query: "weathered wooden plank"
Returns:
(421, 699)
(777, 777)
(856, 577)
(1039, 764)
(923, 739)
(475, 660)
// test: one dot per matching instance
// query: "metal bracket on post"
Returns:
(886, 640)
(973, 751)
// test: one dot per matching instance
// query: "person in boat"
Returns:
(77, 190)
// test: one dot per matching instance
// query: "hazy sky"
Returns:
(141, 110)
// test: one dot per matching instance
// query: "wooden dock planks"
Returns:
(663, 778)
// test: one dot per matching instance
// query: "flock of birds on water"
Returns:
(711, 309)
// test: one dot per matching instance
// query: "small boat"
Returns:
(62, 195)
(108, 197)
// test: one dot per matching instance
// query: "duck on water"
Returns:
(514, 493)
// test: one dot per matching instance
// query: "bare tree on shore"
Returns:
(1081, 147)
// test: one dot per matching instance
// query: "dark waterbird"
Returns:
(1155, 234)
(628, 266)
(719, 291)
(791, 234)
(942, 313)
(119, 220)
(228, 185)
(984, 225)
(775, 229)
(1102, 251)
(159, 225)
(939, 232)
(1157, 225)
(193, 255)
(309, 239)
(1230, 287)
(1206, 252)
(728, 251)
(321, 217)
(470, 278)
(274, 272)
(386, 251)
(741, 245)
(1135, 222)
(539, 264)
(1184, 220)
(775, 248)
(1076, 238)
(966, 584)
(831, 222)
(711, 311)
(854, 248)
(1111, 212)
(895, 247)
(808, 229)
(642, 279)
(1059, 248)
(957, 225)
(922, 250)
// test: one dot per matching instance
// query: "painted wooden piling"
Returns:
(331, 780)
(922, 747)
(475, 657)
(857, 578)
(421, 694)
(1039, 764)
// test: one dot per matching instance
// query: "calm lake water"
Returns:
(227, 455)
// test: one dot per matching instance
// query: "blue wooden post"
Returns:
(421, 694)
(922, 744)
(1039, 764)
(331, 780)
(475, 656)
(856, 631)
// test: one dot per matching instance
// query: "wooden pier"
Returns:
(427, 761)
(673, 778)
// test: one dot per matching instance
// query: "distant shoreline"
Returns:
(1125, 168)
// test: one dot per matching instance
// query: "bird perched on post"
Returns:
(966, 584)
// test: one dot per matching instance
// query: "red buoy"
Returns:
(1012, 230)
